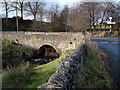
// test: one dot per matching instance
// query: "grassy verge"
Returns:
(94, 71)
(30, 77)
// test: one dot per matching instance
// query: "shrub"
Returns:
(15, 77)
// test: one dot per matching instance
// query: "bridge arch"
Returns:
(48, 51)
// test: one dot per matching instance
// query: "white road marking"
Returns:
(108, 42)
(103, 42)
(114, 42)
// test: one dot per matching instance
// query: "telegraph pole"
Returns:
(16, 17)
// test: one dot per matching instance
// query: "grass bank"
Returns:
(27, 76)
(94, 73)
(43, 72)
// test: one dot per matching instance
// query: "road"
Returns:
(111, 46)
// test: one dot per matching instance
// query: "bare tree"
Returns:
(52, 12)
(41, 13)
(19, 5)
(107, 9)
(92, 12)
(65, 14)
(79, 18)
(117, 13)
(7, 7)
(93, 9)
(33, 8)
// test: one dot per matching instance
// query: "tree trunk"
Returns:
(100, 25)
(34, 21)
(41, 21)
(6, 11)
(21, 11)
(34, 17)
(93, 26)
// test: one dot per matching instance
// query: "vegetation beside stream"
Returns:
(27, 75)
(12, 52)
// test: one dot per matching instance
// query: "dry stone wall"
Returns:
(64, 76)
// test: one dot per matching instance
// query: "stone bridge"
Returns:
(61, 41)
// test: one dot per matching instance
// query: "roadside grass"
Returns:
(28, 76)
(102, 26)
(114, 35)
(94, 71)
(106, 26)
(107, 34)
